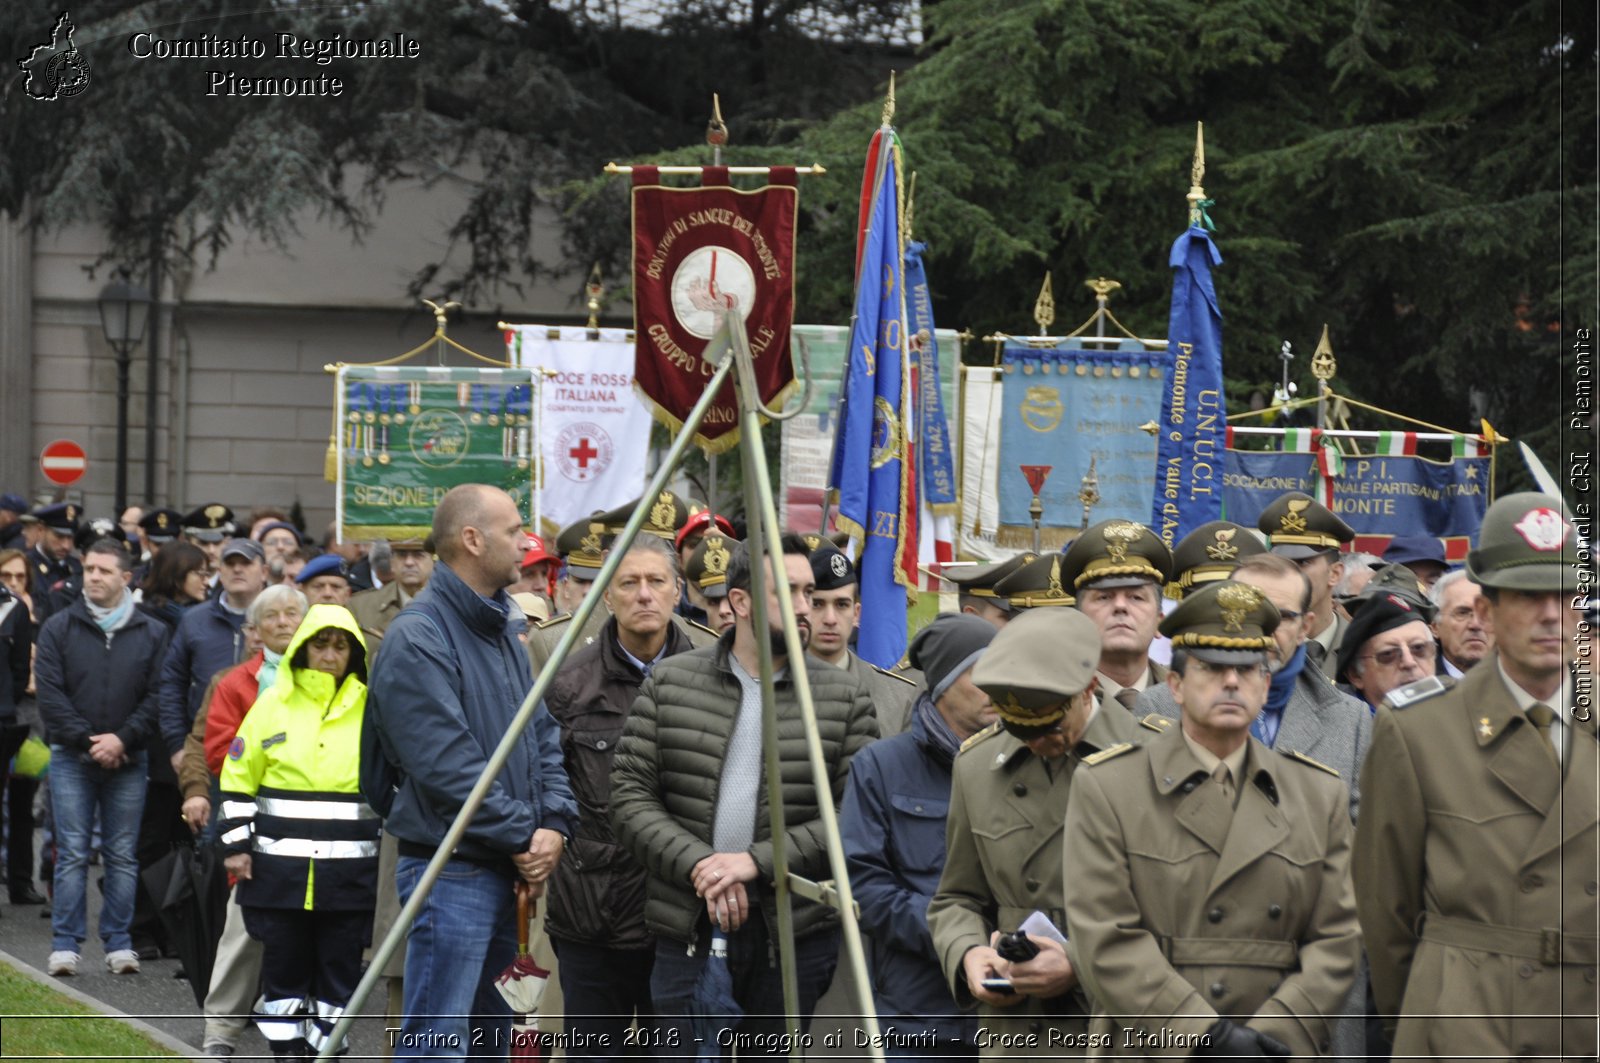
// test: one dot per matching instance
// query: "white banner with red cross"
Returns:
(594, 428)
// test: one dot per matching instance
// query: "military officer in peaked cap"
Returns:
(667, 513)
(1475, 859)
(1209, 877)
(1034, 584)
(835, 610)
(581, 545)
(208, 527)
(975, 587)
(1009, 791)
(1310, 534)
(1117, 570)
(1209, 553)
(707, 569)
(57, 572)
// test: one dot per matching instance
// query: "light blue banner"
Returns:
(1065, 405)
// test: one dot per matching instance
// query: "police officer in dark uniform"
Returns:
(157, 528)
(57, 572)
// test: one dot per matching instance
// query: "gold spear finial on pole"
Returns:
(888, 103)
(596, 290)
(1044, 308)
(1197, 173)
(1323, 366)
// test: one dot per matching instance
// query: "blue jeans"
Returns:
(462, 939)
(78, 789)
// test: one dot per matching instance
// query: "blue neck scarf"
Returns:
(1266, 723)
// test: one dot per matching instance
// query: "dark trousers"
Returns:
(602, 990)
(19, 794)
(160, 829)
(757, 989)
(310, 964)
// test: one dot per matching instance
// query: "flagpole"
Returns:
(885, 132)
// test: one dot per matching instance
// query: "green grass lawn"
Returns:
(36, 1022)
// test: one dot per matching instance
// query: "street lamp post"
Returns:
(124, 307)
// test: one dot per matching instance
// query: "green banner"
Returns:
(410, 434)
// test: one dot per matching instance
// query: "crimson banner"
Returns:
(695, 251)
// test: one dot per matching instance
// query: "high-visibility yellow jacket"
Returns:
(289, 783)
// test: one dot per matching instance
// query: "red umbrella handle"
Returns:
(525, 910)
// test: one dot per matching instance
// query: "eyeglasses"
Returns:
(1421, 652)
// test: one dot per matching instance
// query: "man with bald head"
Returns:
(451, 677)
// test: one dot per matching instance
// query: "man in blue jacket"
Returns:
(208, 641)
(451, 676)
(893, 828)
(96, 675)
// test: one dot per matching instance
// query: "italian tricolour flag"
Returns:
(1397, 444)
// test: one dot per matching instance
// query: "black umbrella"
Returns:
(713, 1008)
(190, 888)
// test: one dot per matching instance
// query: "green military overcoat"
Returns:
(1189, 908)
(1003, 862)
(1475, 877)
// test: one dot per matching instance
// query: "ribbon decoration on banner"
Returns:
(698, 251)
(935, 456)
(409, 434)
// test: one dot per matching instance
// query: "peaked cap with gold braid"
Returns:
(1116, 553)
(1034, 584)
(1300, 527)
(1223, 623)
(1209, 553)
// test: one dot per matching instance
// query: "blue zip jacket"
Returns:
(209, 639)
(439, 701)
(892, 824)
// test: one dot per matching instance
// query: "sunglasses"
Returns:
(1421, 652)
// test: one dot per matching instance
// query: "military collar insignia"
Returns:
(1485, 728)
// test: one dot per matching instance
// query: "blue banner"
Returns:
(1063, 406)
(1193, 414)
(1377, 496)
(935, 456)
(868, 448)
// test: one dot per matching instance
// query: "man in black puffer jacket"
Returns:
(688, 800)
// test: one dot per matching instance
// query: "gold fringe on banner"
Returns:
(1020, 537)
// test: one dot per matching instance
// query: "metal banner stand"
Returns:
(729, 351)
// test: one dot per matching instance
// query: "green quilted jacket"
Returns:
(668, 767)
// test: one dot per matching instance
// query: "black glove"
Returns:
(1228, 1040)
